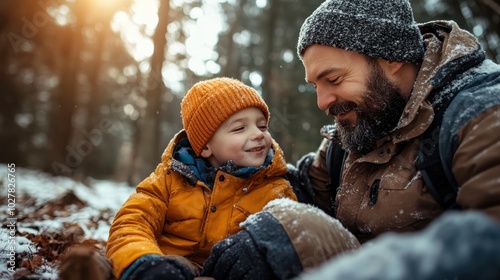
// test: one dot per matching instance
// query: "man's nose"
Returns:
(325, 98)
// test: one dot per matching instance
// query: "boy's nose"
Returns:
(257, 133)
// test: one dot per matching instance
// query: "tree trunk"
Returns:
(93, 132)
(11, 99)
(233, 60)
(65, 159)
(148, 155)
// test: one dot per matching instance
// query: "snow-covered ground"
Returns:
(43, 214)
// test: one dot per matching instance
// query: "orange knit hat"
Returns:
(209, 103)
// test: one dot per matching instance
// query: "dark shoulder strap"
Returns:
(429, 158)
(335, 156)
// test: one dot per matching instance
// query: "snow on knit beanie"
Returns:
(376, 28)
(209, 103)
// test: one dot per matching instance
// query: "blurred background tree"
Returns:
(93, 88)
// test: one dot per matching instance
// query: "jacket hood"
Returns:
(449, 51)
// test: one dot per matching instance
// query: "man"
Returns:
(387, 82)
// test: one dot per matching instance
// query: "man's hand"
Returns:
(237, 257)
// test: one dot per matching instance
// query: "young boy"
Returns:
(222, 167)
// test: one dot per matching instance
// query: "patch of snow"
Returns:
(102, 199)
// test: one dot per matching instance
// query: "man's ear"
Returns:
(391, 67)
(206, 152)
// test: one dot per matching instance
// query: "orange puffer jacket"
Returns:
(169, 216)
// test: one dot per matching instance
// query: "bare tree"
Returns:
(148, 131)
(64, 102)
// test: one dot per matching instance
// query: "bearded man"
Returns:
(398, 91)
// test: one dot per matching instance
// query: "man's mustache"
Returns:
(340, 108)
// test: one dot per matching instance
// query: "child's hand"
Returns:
(168, 267)
(187, 263)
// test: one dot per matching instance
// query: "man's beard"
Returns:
(377, 115)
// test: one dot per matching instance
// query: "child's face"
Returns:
(243, 138)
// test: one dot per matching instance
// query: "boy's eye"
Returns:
(239, 128)
(263, 127)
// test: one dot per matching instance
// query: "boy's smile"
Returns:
(243, 138)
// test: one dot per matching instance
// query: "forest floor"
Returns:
(45, 215)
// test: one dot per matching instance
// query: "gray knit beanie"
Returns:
(377, 28)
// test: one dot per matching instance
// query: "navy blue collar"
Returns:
(200, 168)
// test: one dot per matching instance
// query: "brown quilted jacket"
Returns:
(383, 191)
